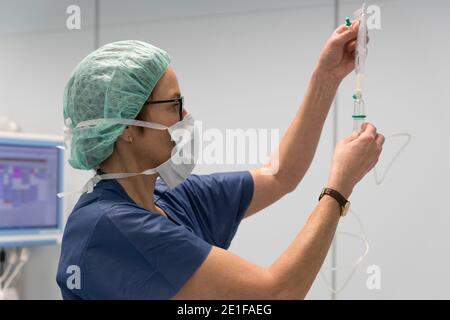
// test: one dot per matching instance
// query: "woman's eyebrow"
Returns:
(173, 96)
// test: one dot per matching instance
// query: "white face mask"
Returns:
(173, 171)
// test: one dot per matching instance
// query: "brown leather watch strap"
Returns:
(337, 196)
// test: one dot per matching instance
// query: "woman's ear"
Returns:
(126, 134)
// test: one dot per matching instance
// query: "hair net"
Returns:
(114, 81)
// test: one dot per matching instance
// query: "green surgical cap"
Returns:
(114, 81)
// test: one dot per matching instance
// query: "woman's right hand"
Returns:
(353, 157)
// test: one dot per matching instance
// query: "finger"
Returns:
(380, 139)
(344, 34)
(355, 134)
(369, 129)
(351, 46)
(343, 27)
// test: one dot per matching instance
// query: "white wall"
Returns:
(407, 90)
(245, 70)
(246, 64)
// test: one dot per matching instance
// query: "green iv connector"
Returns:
(348, 23)
(357, 96)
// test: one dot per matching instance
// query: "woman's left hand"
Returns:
(337, 58)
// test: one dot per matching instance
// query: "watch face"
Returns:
(346, 208)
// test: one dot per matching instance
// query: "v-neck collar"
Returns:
(156, 199)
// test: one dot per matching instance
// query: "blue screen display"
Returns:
(28, 187)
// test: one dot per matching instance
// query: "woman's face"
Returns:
(154, 146)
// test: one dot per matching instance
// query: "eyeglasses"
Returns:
(178, 102)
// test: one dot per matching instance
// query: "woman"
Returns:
(135, 236)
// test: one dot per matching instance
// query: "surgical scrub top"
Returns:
(114, 249)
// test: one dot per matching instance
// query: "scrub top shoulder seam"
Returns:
(129, 241)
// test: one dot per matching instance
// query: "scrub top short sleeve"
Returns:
(217, 202)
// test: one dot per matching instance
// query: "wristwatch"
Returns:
(343, 203)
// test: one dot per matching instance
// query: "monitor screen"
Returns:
(28, 187)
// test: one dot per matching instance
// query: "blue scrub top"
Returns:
(123, 251)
